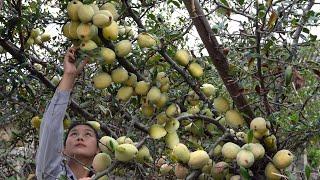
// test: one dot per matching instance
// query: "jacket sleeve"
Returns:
(49, 157)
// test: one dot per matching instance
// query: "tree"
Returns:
(266, 68)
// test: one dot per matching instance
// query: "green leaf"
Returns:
(250, 136)
(307, 171)
(241, 2)
(244, 173)
(225, 2)
(176, 3)
(112, 146)
(288, 75)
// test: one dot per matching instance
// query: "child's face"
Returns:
(81, 141)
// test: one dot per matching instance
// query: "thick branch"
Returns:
(218, 58)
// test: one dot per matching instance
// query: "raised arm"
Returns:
(49, 157)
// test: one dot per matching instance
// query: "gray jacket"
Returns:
(50, 163)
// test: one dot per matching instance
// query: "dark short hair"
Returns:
(77, 123)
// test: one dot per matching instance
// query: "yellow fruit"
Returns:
(193, 109)
(102, 19)
(122, 30)
(101, 161)
(260, 135)
(180, 171)
(162, 78)
(234, 119)
(172, 139)
(56, 80)
(37, 40)
(36, 122)
(94, 124)
(198, 159)
(217, 151)
(172, 125)
(123, 48)
(221, 104)
(162, 100)
(193, 98)
(257, 150)
(37, 66)
(73, 29)
(110, 7)
(164, 87)
(259, 125)
(45, 37)
(173, 110)
(145, 40)
(245, 158)
(72, 9)
(162, 118)
(142, 88)
(124, 140)
(88, 45)
(144, 155)
(65, 30)
(108, 144)
(119, 75)
(230, 150)
(125, 152)
(270, 142)
(124, 93)
(182, 57)
(66, 123)
(271, 172)
(154, 94)
(181, 153)
(147, 110)
(85, 13)
(108, 55)
(165, 169)
(35, 32)
(95, 7)
(208, 89)
(235, 177)
(102, 80)
(129, 31)
(30, 41)
(157, 131)
(85, 31)
(111, 33)
(195, 70)
(132, 80)
(282, 159)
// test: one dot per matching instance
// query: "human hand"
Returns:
(69, 65)
(85, 178)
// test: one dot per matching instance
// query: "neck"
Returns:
(77, 164)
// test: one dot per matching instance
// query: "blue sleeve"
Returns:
(49, 157)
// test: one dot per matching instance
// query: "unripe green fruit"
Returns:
(271, 172)
(37, 40)
(119, 75)
(164, 87)
(30, 41)
(129, 31)
(108, 55)
(85, 13)
(207, 167)
(124, 140)
(221, 104)
(282, 159)
(198, 159)
(147, 110)
(72, 28)
(259, 125)
(72, 9)
(37, 66)
(125, 152)
(193, 98)
(102, 80)
(208, 89)
(35, 32)
(195, 70)
(108, 144)
(45, 37)
(234, 119)
(154, 94)
(88, 45)
(145, 40)
(157, 131)
(65, 30)
(193, 109)
(111, 32)
(182, 57)
(230, 150)
(181, 153)
(257, 150)
(173, 110)
(245, 158)
(124, 93)
(172, 125)
(101, 161)
(270, 142)
(123, 48)
(142, 88)
(172, 139)
(217, 151)
(95, 125)
(180, 171)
